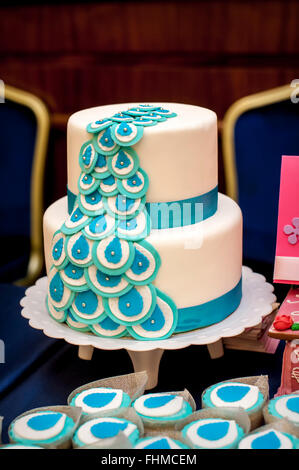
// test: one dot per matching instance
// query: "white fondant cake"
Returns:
(192, 273)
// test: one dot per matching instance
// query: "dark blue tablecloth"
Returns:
(41, 371)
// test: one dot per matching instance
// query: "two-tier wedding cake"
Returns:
(143, 245)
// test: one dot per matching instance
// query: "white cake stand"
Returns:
(257, 302)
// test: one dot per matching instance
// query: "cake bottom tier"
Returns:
(201, 264)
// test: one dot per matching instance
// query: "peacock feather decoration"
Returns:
(101, 279)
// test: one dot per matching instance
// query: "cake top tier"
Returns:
(179, 155)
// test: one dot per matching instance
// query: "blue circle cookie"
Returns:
(213, 433)
(233, 394)
(40, 427)
(285, 406)
(100, 399)
(101, 429)
(269, 439)
(162, 407)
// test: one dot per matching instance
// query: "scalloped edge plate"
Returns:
(257, 302)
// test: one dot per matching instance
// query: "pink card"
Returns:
(286, 269)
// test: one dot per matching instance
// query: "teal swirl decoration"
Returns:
(101, 280)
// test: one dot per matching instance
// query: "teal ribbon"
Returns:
(211, 312)
(175, 213)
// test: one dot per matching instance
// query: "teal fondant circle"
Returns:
(108, 328)
(87, 157)
(136, 228)
(87, 183)
(160, 324)
(136, 186)
(125, 309)
(106, 285)
(126, 134)
(104, 142)
(107, 267)
(124, 163)
(145, 265)
(97, 126)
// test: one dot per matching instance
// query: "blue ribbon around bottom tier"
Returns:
(214, 311)
(174, 213)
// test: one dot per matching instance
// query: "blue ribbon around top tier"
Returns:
(175, 213)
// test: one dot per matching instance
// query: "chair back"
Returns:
(24, 129)
(257, 131)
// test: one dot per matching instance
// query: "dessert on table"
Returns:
(144, 245)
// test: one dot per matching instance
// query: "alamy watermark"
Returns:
(2, 91)
(185, 215)
(2, 352)
(295, 94)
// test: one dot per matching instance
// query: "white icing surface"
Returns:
(249, 400)
(23, 431)
(246, 442)
(114, 403)
(179, 155)
(199, 441)
(85, 435)
(199, 262)
(169, 409)
(283, 410)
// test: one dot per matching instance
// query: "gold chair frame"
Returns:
(40, 111)
(257, 100)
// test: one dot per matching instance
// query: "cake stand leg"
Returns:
(85, 352)
(148, 361)
(216, 349)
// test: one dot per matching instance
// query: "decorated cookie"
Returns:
(235, 394)
(159, 442)
(162, 407)
(269, 439)
(213, 433)
(45, 427)
(101, 429)
(109, 397)
(19, 446)
(100, 399)
(285, 406)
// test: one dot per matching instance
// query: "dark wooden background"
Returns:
(209, 53)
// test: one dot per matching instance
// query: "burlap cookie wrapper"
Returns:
(133, 384)
(64, 442)
(281, 425)
(153, 427)
(269, 418)
(120, 441)
(260, 381)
